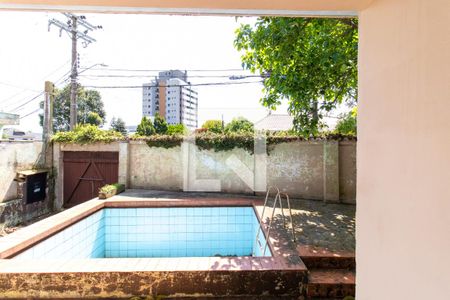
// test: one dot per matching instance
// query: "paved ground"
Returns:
(321, 225)
(5, 230)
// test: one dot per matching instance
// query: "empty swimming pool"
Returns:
(156, 232)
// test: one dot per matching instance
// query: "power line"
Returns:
(33, 112)
(24, 90)
(170, 85)
(18, 87)
(25, 103)
(60, 80)
(229, 108)
(6, 100)
(193, 76)
(56, 70)
(162, 70)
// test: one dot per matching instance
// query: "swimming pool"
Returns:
(98, 249)
(156, 232)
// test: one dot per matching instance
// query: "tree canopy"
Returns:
(239, 125)
(93, 118)
(88, 102)
(119, 126)
(160, 124)
(311, 62)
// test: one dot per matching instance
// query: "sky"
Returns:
(30, 55)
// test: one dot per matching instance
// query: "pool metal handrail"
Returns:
(290, 215)
(261, 221)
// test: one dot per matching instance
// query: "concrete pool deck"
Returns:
(283, 275)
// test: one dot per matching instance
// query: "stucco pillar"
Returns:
(331, 171)
(123, 164)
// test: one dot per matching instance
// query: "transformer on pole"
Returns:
(72, 28)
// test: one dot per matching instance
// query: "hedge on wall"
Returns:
(86, 134)
(226, 142)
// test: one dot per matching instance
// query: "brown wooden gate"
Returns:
(86, 172)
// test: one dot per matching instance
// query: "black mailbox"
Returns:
(34, 185)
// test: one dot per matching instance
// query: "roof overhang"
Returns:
(332, 8)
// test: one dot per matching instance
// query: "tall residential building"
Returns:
(172, 97)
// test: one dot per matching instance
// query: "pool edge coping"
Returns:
(283, 258)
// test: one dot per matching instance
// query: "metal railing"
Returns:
(277, 199)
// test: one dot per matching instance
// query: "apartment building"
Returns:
(171, 95)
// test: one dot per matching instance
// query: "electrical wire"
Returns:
(193, 76)
(229, 108)
(37, 96)
(4, 101)
(160, 70)
(168, 86)
(25, 103)
(33, 112)
(18, 87)
(57, 69)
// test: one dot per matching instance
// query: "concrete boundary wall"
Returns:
(320, 170)
(17, 156)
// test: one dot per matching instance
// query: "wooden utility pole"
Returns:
(73, 75)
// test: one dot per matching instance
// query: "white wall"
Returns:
(403, 190)
(14, 157)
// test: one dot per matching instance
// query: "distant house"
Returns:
(9, 119)
(275, 122)
(14, 134)
(131, 129)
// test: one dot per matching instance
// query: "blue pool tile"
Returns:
(154, 232)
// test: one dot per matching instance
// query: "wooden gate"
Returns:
(86, 172)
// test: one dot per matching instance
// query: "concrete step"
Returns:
(325, 262)
(330, 283)
(315, 258)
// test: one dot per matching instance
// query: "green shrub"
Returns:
(160, 124)
(175, 129)
(86, 134)
(115, 187)
(347, 125)
(164, 141)
(213, 126)
(229, 141)
(145, 128)
(225, 142)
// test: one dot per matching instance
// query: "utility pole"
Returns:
(73, 75)
(71, 27)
